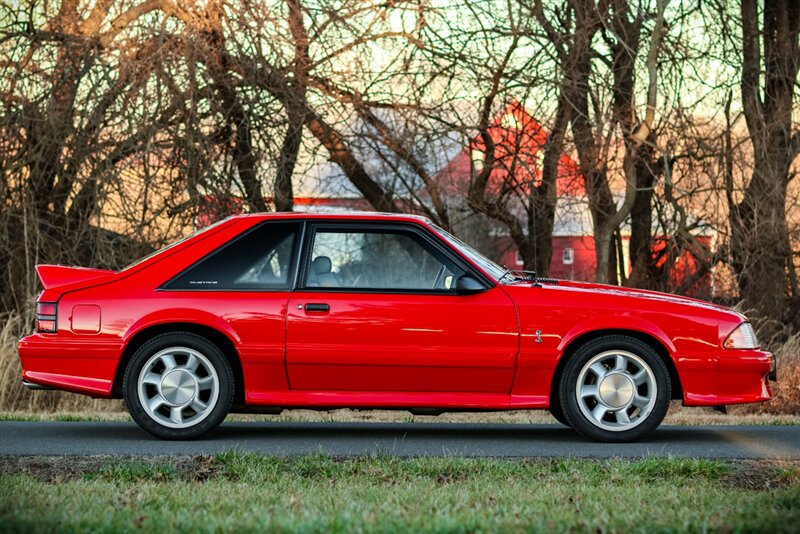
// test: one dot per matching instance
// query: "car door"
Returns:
(246, 283)
(376, 310)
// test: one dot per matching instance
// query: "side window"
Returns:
(261, 258)
(379, 259)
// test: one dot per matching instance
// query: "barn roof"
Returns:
(519, 141)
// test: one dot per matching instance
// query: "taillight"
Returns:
(46, 317)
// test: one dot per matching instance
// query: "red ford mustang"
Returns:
(271, 311)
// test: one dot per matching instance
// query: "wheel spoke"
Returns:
(151, 378)
(198, 406)
(640, 401)
(599, 412)
(205, 383)
(622, 416)
(192, 363)
(169, 361)
(599, 370)
(621, 363)
(176, 414)
(589, 390)
(155, 403)
(640, 377)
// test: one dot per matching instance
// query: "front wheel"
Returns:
(615, 389)
(178, 386)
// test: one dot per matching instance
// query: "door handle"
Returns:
(317, 307)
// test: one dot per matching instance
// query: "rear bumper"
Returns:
(80, 367)
(743, 376)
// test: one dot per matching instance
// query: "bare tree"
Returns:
(67, 82)
(622, 34)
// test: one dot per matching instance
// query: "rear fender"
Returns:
(181, 315)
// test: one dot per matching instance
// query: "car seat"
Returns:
(321, 274)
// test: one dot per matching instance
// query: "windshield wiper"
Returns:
(506, 272)
(531, 276)
(526, 276)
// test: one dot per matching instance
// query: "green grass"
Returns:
(132, 472)
(252, 492)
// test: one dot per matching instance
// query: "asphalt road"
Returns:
(407, 439)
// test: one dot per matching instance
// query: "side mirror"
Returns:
(467, 284)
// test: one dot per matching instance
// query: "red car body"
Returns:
(498, 349)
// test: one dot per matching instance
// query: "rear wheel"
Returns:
(615, 389)
(178, 386)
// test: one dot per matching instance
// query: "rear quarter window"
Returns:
(262, 258)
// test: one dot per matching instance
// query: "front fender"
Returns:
(617, 322)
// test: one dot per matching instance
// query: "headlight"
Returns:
(742, 337)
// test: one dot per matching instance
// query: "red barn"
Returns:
(519, 151)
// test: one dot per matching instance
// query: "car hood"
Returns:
(577, 289)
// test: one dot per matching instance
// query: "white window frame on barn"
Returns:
(568, 256)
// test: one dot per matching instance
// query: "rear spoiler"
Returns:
(61, 275)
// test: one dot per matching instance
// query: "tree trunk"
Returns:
(759, 238)
(607, 217)
(574, 50)
(283, 193)
(603, 251)
(545, 197)
(643, 269)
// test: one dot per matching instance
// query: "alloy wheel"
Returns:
(616, 390)
(178, 387)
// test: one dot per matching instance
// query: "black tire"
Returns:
(224, 386)
(645, 421)
(556, 411)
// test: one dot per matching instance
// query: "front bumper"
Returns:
(773, 373)
(745, 375)
(742, 377)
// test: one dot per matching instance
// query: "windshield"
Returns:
(491, 268)
(175, 244)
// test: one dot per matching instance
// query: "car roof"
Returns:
(348, 216)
